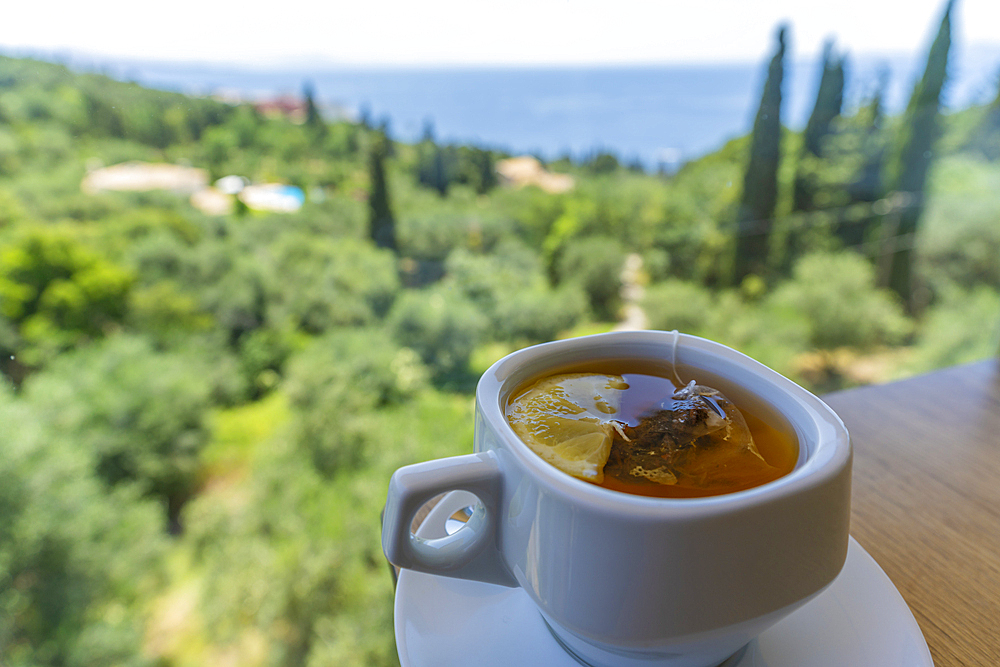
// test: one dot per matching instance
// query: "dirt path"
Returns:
(633, 317)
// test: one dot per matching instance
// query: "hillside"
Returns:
(202, 411)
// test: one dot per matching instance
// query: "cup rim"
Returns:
(815, 423)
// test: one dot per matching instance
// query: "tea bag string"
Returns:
(683, 391)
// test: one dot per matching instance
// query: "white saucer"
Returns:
(861, 620)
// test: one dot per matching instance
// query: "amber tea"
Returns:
(646, 434)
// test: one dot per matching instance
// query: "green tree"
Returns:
(103, 119)
(601, 162)
(862, 146)
(240, 545)
(337, 382)
(438, 177)
(829, 100)
(434, 163)
(329, 282)
(760, 181)
(595, 264)
(946, 337)
(911, 163)
(139, 412)
(233, 282)
(509, 287)
(75, 560)
(479, 170)
(868, 184)
(381, 221)
(314, 120)
(218, 144)
(58, 292)
(433, 234)
(773, 333)
(678, 304)
(836, 294)
(441, 326)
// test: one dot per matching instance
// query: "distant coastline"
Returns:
(657, 114)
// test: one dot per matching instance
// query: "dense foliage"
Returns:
(199, 413)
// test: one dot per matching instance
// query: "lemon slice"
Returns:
(567, 420)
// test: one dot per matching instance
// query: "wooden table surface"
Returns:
(926, 501)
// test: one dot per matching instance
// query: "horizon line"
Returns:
(71, 57)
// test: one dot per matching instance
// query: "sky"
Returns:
(474, 32)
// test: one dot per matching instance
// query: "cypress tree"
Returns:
(829, 102)
(920, 131)
(485, 177)
(425, 156)
(432, 162)
(313, 118)
(314, 121)
(760, 183)
(385, 130)
(425, 159)
(365, 117)
(439, 171)
(867, 185)
(428, 135)
(381, 222)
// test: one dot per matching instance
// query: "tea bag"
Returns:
(695, 438)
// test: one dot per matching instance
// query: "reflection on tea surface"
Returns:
(642, 434)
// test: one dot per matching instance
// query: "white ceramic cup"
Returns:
(627, 580)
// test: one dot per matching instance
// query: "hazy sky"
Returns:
(383, 32)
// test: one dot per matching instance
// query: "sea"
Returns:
(658, 115)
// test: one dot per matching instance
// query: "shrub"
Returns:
(836, 294)
(595, 263)
(484, 279)
(963, 326)
(141, 413)
(59, 292)
(337, 382)
(434, 235)
(509, 288)
(675, 304)
(74, 558)
(327, 283)
(441, 325)
(770, 333)
(539, 314)
(960, 239)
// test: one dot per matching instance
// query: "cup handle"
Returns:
(472, 552)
